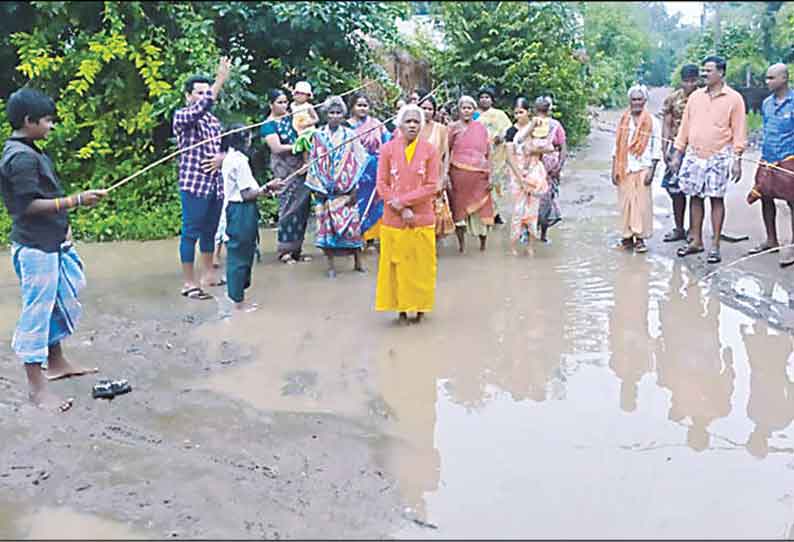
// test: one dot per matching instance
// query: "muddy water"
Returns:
(580, 392)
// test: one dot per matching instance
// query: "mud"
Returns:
(581, 392)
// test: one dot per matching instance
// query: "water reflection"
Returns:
(629, 340)
(771, 403)
(690, 360)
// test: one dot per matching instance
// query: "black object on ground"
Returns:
(107, 389)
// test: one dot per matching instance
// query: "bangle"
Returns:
(57, 205)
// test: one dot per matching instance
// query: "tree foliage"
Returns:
(521, 48)
(116, 71)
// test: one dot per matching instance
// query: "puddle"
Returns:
(66, 524)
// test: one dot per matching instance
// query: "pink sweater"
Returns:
(413, 184)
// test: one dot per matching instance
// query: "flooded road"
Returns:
(581, 392)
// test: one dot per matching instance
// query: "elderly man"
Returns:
(709, 148)
(777, 113)
(638, 149)
(672, 112)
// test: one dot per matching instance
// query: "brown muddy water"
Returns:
(580, 392)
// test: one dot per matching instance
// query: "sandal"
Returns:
(759, 249)
(639, 246)
(221, 282)
(287, 259)
(714, 256)
(675, 235)
(304, 258)
(687, 250)
(196, 293)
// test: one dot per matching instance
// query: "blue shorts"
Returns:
(200, 217)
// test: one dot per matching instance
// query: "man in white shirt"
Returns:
(637, 151)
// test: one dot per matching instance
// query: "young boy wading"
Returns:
(50, 271)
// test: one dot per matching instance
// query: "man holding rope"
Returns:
(200, 181)
(777, 112)
(709, 148)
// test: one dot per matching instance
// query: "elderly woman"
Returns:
(372, 134)
(294, 199)
(637, 151)
(437, 135)
(549, 211)
(497, 123)
(408, 180)
(469, 175)
(337, 163)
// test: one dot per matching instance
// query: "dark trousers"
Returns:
(242, 228)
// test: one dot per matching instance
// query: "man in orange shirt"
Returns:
(709, 149)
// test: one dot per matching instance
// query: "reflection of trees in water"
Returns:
(629, 341)
(690, 360)
(771, 403)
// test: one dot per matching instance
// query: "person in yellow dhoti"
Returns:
(408, 179)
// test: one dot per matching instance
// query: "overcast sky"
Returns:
(690, 11)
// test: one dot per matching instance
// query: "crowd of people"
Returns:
(435, 171)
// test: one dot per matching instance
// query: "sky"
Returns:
(690, 11)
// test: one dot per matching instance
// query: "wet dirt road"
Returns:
(582, 392)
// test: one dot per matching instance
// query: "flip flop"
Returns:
(675, 235)
(714, 256)
(640, 247)
(74, 374)
(687, 250)
(221, 282)
(196, 293)
(304, 258)
(759, 248)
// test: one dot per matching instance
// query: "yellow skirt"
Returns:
(407, 270)
(373, 232)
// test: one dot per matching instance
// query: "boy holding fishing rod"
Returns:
(49, 270)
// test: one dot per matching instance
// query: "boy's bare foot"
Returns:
(419, 316)
(403, 318)
(48, 401)
(39, 395)
(58, 367)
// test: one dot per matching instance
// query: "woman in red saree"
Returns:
(469, 175)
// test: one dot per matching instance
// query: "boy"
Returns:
(50, 271)
(242, 215)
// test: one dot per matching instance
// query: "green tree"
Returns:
(521, 48)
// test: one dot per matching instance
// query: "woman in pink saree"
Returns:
(529, 181)
(469, 175)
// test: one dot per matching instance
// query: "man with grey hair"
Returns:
(637, 151)
(777, 113)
